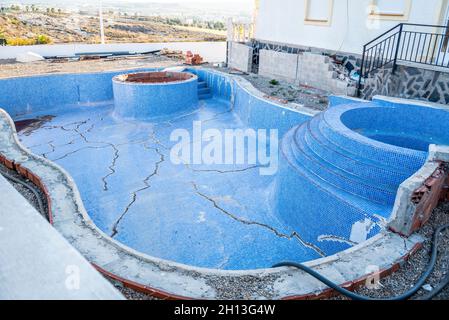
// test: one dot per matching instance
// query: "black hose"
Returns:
(404, 296)
(29, 187)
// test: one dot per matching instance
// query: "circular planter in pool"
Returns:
(149, 95)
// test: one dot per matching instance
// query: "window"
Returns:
(318, 12)
(390, 10)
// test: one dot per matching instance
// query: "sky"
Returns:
(233, 5)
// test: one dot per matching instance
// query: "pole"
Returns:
(101, 23)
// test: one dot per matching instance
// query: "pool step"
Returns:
(325, 151)
(364, 168)
(329, 154)
(364, 206)
(317, 199)
(204, 91)
(336, 177)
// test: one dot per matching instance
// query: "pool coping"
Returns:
(116, 79)
(333, 117)
(170, 280)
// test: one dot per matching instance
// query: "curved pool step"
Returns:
(373, 172)
(365, 207)
(334, 176)
(318, 199)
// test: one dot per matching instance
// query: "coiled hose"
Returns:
(30, 187)
(404, 296)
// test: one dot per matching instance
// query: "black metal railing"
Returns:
(414, 43)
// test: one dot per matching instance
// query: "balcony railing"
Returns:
(414, 43)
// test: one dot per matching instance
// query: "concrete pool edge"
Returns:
(74, 223)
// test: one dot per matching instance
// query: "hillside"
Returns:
(26, 27)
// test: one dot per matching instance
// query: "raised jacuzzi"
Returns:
(151, 95)
(151, 222)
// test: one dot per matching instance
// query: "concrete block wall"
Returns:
(240, 56)
(278, 65)
(316, 70)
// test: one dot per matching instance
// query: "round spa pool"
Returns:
(411, 127)
(152, 95)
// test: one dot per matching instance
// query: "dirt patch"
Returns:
(8, 70)
(155, 77)
(285, 92)
(29, 125)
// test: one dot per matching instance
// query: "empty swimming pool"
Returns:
(335, 187)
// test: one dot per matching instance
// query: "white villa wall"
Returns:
(283, 21)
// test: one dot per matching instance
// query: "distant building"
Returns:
(308, 42)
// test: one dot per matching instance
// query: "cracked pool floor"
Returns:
(206, 216)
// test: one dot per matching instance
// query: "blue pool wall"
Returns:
(254, 111)
(43, 94)
(149, 101)
(36, 94)
(339, 100)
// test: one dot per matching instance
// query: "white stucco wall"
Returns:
(283, 21)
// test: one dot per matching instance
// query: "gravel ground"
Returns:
(9, 68)
(306, 96)
(310, 97)
(407, 276)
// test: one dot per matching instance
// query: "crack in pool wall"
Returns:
(135, 193)
(333, 238)
(82, 135)
(223, 171)
(53, 149)
(76, 151)
(279, 234)
(111, 167)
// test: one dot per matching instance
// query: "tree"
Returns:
(43, 39)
